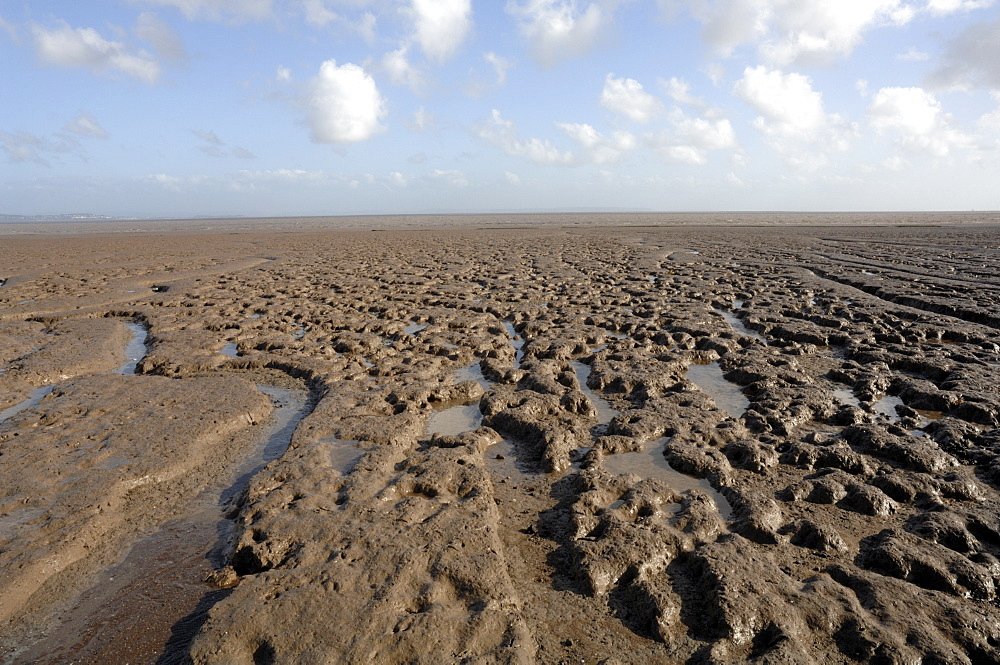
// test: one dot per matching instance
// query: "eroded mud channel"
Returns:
(620, 445)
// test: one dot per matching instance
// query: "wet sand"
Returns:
(573, 442)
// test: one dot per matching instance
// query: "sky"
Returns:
(183, 108)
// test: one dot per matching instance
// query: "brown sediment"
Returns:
(843, 507)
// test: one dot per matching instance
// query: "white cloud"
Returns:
(627, 97)
(971, 59)
(365, 26)
(793, 31)
(504, 135)
(400, 71)
(913, 55)
(84, 47)
(953, 6)
(283, 74)
(692, 139)
(213, 146)
(787, 101)
(557, 29)
(500, 66)
(317, 13)
(421, 122)
(705, 134)
(219, 10)
(601, 149)
(679, 90)
(452, 177)
(9, 28)
(158, 33)
(24, 147)
(343, 104)
(735, 180)
(442, 26)
(87, 126)
(792, 116)
(511, 178)
(916, 116)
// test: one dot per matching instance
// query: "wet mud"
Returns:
(629, 444)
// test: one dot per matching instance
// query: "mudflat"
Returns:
(618, 440)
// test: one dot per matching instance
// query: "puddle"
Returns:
(459, 418)
(650, 463)
(230, 350)
(846, 396)
(414, 328)
(135, 350)
(34, 397)
(344, 453)
(455, 419)
(256, 315)
(727, 396)
(149, 606)
(886, 405)
(605, 412)
(502, 461)
(299, 334)
(738, 325)
(517, 342)
(473, 373)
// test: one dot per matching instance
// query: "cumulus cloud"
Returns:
(317, 13)
(792, 116)
(158, 33)
(504, 135)
(401, 72)
(451, 177)
(693, 138)
(343, 104)
(441, 26)
(915, 115)
(627, 97)
(790, 31)
(66, 46)
(679, 90)
(600, 149)
(557, 29)
(971, 59)
(500, 66)
(219, 10)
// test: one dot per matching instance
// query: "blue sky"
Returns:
(323, 107)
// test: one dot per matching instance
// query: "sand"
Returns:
(283, 442)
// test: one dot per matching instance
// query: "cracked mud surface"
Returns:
(620, 445)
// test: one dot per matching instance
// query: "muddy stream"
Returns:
(148, 606)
